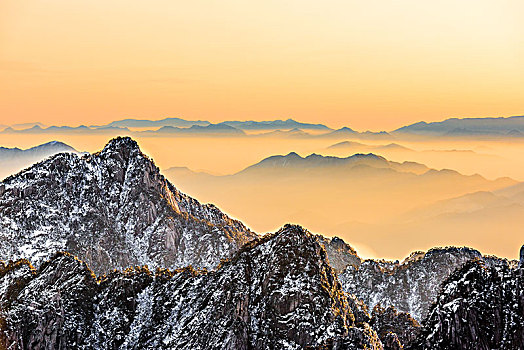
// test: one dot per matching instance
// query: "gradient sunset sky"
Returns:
(366, 64)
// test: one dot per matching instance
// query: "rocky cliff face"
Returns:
(410, 286)
(278, 292)
(479, 307)
(112, 209)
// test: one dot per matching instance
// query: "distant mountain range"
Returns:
(317, 161)
(507, 127)
(144, 123)
(275, 125)
(240, 125)
(82, 129)
(352, 145)
(209, 129)
(454, 127)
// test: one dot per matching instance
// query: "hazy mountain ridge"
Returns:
(144, 123)
(36, 151)
(241, 125)
(318, 189)
(15, 159)
(293, 161)
(510, 127)
(59, 130)
(502, 126)
(194, 129)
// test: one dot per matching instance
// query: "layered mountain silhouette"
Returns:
(364, 197)
(317, 161)
(502, 127)
(145, 123)
(240, 125)
(507, 127)
(66, 130)
(226, 286)
(209, 129)
(353, 145)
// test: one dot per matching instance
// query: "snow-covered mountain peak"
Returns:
(113, 209)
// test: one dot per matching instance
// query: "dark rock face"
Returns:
(411, 286)
(394, 328)
(113, 209)
(521, 261)
(278, 292)
(479, 307)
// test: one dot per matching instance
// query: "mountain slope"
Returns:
(113, 209)
(276, 293)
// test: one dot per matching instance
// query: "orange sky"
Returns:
(366, 64)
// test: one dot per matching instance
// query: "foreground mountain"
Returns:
(278, 292)
(113, 209)
(480, 307)
(16, 159)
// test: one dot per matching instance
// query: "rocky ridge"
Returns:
(276, 292)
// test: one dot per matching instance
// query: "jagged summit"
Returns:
(122, 144)
(113, 209)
